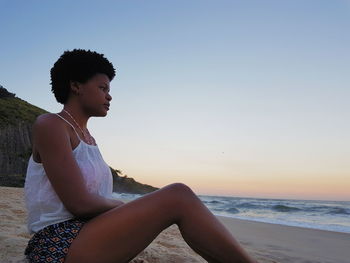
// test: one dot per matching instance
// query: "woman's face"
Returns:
(94, 95)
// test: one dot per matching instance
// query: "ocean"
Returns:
(324, 215)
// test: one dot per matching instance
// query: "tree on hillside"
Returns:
(5, 94)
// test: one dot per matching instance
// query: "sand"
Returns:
(265, 242)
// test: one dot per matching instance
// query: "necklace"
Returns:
(87, 135)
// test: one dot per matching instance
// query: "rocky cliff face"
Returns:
(16, 119)
(15, 148)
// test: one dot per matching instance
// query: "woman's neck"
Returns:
(76, 115)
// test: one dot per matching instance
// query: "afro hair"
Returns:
(77, 65)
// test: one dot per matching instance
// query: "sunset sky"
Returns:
(238, 98)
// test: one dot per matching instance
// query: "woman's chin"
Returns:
(106, 109)
(104, 114)
(101, 114)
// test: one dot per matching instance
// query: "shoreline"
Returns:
(280, 224)
(266, 242)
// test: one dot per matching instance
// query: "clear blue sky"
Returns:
(246, 98)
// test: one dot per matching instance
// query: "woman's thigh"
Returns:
(121, 233)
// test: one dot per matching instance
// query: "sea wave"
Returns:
(249, 205)
(285, 208)
(338, 211)
(232, 210)
(213, 202)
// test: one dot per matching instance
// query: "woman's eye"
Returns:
(103, 88)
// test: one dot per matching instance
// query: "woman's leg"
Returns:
(123, 232)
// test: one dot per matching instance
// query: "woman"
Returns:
(68, 185)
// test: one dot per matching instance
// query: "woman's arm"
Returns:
(52, 141)
(97, 207)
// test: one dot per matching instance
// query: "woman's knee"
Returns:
(180, 189)
(180, 195)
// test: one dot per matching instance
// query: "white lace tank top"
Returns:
(43, 205)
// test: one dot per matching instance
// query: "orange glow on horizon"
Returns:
(287, 187)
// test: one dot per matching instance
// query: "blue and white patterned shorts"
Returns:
(51, 244)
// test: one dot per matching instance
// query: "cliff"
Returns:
(15, 150)
(16, 119)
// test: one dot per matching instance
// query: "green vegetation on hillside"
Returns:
(13, 109)
(124, 184)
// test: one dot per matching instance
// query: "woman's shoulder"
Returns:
(48, 121)
(49, 131)
(46, 117)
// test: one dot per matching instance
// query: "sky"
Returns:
(236, 98)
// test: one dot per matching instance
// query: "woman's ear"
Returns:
(75, 87)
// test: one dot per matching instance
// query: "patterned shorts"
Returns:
(51, 244)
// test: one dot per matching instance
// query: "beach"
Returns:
(265, 242)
